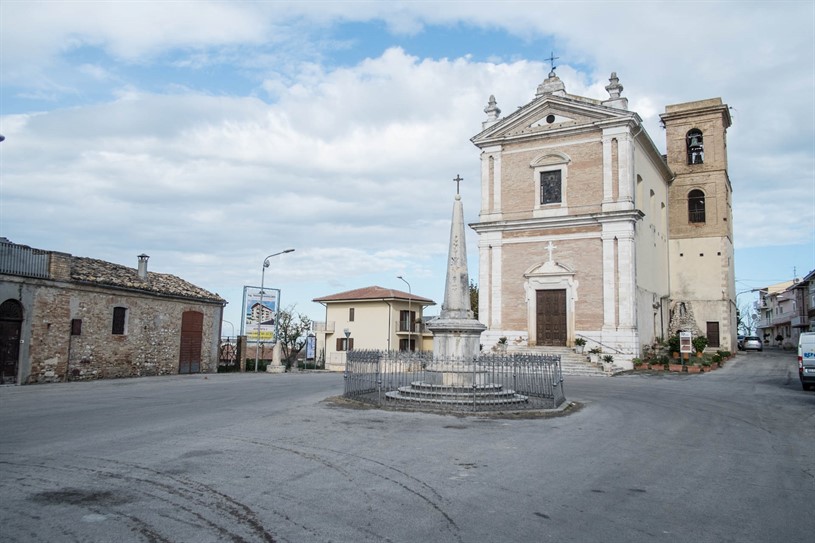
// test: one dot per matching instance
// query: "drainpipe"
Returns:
(390, 313)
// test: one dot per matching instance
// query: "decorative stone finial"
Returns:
(492, 110)
(614, 88)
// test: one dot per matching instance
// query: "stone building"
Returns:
(587, 230)
(69, 318)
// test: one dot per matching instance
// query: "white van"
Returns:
(806, 359)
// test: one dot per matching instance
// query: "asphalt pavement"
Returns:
(722, 457)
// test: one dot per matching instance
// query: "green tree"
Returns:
(474, 298)
(292, 330)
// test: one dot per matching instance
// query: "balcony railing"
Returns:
(327, 327)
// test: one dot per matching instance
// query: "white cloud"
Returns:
(353, 165)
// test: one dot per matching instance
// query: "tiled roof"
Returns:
(99, 272)
(373, 293)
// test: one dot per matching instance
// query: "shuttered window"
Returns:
(119, 320)
(344, 344)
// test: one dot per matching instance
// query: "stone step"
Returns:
(571, 363)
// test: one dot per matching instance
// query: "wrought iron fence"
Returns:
(488, 383)
(228, 356)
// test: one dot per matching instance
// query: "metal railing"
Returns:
(416, 380)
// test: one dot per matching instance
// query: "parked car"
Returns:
(753, 343)
(740, 342)
(806, 359)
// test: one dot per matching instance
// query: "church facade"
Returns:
(587, 231)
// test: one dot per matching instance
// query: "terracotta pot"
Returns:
(675, 367)
(694, 369)
(657, 367)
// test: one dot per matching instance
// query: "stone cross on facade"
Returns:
(551, 247)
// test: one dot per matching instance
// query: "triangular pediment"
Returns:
(548, 268)
(551, 114)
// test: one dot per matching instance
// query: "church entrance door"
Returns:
(551, 317)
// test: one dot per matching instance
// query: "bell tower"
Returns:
(700, 220)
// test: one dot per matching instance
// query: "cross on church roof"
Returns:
(458, 180)
(552, 58)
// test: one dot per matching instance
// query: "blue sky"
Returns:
(211, 134)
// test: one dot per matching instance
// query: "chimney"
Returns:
(143, 266)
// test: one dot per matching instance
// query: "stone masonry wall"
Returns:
(150, 345)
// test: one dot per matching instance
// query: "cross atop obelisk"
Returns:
(458, 181)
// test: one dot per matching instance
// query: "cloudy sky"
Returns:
(211, 134)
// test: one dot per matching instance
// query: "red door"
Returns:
(551, 317)
(192, 327)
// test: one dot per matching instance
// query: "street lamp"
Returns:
(410, 316)
(231, 325)
(260, 309)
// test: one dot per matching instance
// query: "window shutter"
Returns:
(350, 344)
(339, 344)
(119, 320)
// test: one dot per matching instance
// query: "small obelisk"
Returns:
(456, 334)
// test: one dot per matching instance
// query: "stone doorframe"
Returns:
(549, 276)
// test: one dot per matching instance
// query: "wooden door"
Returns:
(551, 317)
(713, 334)
(11, 320)
(192, 328)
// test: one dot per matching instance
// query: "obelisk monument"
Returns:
(456, 333)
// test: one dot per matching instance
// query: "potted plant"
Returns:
(660, 363)
(594, 354)
(502, 344)
(706, 366)
(639, 364)
(608, 362)
(691, 367)
(699, 344)
(676, 365)
(673, 345)
(579, 344)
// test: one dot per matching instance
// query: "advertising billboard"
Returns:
(260, 314)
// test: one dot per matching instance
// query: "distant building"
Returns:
(66, 318)
(587, 231)
(375, 318)
(785, 310)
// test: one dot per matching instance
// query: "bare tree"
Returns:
(293, 329)
(748, 317)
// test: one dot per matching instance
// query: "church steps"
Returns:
(571, 363)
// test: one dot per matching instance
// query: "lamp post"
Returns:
(410, 316)
(260, 309)
(231, 325)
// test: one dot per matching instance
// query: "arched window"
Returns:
(696, 206)
(696, 146)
